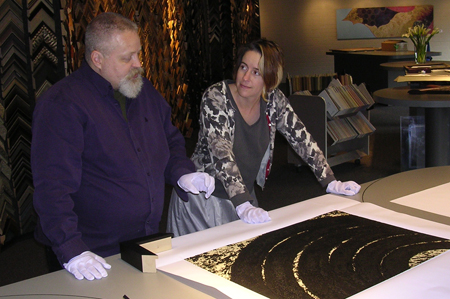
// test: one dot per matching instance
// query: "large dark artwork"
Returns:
(335, 255)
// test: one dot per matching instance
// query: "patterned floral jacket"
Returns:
(214, 151)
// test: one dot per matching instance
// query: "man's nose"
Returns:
(137, 62)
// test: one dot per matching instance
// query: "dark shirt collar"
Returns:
(101, 84)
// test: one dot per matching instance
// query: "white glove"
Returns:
(252, 215)
(87, 265)
(345, 188)
(197, 182)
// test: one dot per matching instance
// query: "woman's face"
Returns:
(249, 81)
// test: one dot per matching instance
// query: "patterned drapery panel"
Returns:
(29, 35)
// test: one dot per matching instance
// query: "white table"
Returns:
(176, 277)
(122, 279)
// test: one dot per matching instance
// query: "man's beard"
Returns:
(130, 86)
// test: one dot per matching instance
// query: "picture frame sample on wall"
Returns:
(381, 22)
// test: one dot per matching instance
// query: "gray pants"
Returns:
(199, 213)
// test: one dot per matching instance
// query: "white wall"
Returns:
(306, 30)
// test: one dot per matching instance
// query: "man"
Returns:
(103, 148)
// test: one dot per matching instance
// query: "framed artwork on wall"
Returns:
(381, 22)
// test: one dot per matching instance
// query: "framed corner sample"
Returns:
(141, 252)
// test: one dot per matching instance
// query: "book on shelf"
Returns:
(332, 108)
(344, 79)
(340, 130)
(432, 76)
(313, 83)
(361, 49)
(303, 92)
(426, 67)
(344, 129)
(346, 99)
(344, 106)
(361, 124)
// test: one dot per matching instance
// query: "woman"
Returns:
(235, 145)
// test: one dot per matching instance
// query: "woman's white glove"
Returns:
(252, 215)
(87, 265)
(197, 182)
(345, 188)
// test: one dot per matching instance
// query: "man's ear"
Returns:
(97, 59)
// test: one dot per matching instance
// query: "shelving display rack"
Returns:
(313, 110)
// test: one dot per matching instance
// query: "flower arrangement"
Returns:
(420, 37)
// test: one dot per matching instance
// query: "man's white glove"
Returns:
(87, 265)
(252, 215)
(345, 188)
(197, 182)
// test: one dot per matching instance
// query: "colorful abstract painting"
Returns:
(381, 22)
(334, 255)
